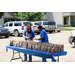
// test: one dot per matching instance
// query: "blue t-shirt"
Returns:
(44, 35)
(30, 35)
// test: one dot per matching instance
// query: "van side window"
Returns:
(36, 23)
(25, 23)
(10, 24)
(6, 25)
(45, 23)
(17, 24)
(51, 23)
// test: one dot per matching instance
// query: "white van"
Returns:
(35, 27)
(17, 27)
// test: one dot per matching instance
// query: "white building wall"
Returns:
(8, 15)
(56, 16)
(45, 17)
(2, 21)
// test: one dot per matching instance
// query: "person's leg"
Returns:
(30, 58)
(25, 57)
(43, 59)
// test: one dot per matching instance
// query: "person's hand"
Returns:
(35, 39)
(27, 38)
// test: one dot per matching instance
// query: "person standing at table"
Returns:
(43, 38)
(28, 35)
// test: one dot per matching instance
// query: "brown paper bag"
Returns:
(29, 46)
(25, 44)
(48, 49)
(17, 44)
(33, 45)
(9, 43)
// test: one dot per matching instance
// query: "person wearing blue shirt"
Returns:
(28, 35)
(43, 38)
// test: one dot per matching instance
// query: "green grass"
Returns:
(67, 29)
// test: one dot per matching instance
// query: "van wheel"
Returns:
(16, 33)
(6, 36)
(10, 34)
(50, 31)
(38, 33)
(59, 31)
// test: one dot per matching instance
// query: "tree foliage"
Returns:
(29, 16)
(1, 14)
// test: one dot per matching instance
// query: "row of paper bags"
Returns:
(37, 45)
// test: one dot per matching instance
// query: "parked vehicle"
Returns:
(58, 27)
(71, 39)
(49, 26)
(4, 31)
(35, 27)
(18, 27)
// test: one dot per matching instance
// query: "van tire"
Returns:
(16, 33)
(10, 34)
(6, 36)
(59, 31)
(38, 32)
(50, 31)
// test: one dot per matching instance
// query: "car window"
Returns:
(59, 25)
(38, 23)
(17, 24)
(10, 24)
(6, 25)
(45, 23)
(51, 23)
(25, 23)
(1, 26)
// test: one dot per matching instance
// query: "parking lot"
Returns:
(56, 38)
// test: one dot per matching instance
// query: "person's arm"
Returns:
(38, 38)
(24, 35)
(41, 38)
(32, 39)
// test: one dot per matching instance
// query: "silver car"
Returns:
(4, 31)
(71, 39)
(58, 27)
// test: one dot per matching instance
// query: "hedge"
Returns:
(65, 25)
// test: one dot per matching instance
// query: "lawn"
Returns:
(67, 29)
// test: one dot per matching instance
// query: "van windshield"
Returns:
(25, 23)
(51, 23)
(45, 23)
(37, 23)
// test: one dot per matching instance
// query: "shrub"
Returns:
(65, 25)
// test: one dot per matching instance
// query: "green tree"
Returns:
(1, 14)
(29, 16)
